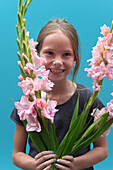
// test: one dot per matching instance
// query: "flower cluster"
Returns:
(98, 113)
(102, 61)
(102, 66)
(34, 103)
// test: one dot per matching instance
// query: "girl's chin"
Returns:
(56, 76)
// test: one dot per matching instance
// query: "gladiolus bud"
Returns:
(24, 56)
(19, 63)
(20, 78)
(27, 70)
(18, 43)
(111, 27)
(25, 48)
(23, 33)
(27, 33)
(19, 19)
(24, 22)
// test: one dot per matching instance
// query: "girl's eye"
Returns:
(49, 53)
(67, 54)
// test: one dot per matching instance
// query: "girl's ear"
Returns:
(74, 62)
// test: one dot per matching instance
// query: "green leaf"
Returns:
(52, 137)
(35, 138)
(70, 137)
(104, 126)
(75, 114)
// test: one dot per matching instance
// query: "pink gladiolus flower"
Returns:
(24, 107)
(28, 86)
(105, 30)
(96, 86)
(50, 111)
(110, 108)
(32, 44)
(38, 71)
(20, 78)
(109, 71)
(33, 124)
(38, 84)
(36, 59)
(43, 84)
(46, 84)
(98, 113)
(41, 103)
(97, 72)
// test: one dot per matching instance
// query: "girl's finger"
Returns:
(68, 157)
(43, 153)
(44, 159)
(61, 167)
(45, 165)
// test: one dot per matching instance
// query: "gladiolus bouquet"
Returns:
(37, 112)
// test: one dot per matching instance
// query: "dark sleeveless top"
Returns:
(63, 117)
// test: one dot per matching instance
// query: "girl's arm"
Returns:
(96, 155)
(24, 161)
(20, 158)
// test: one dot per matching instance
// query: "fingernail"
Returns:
(63, 157)
(52, 152)
(56, 165)
(54, 159)
(55, 155)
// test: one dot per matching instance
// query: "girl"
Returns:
(58, 44)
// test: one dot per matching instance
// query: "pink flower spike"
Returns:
(20, 78)
(105, 30)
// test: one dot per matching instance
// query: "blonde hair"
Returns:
(69, 30)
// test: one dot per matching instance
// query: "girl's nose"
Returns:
(58, 61)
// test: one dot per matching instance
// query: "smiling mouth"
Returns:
(56, 70)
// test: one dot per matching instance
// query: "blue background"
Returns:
(87, 17)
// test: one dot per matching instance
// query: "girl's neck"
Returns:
(62, 91)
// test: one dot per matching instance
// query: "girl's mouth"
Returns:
(57, 71)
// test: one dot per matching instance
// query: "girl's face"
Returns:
(58, 51)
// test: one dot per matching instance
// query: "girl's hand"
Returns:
(66, 163)
(44, 159)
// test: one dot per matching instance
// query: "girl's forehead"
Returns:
(57, 38)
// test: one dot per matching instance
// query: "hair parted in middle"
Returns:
(68, 29)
